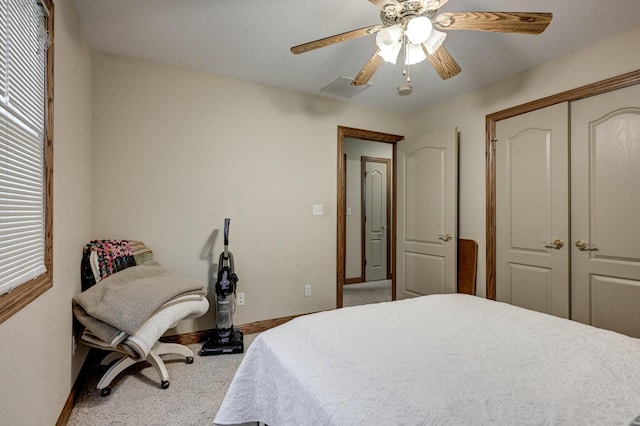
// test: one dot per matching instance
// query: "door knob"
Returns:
(556, 244)
(585, 246)
(447, 237)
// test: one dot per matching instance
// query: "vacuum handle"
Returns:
(226, 231)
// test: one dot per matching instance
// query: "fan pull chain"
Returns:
(405, 71)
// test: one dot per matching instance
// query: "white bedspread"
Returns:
(441, 359)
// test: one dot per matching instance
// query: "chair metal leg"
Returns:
(162, 348)
(155, 360)
(112, 356)
(113, 371)
(123, 362)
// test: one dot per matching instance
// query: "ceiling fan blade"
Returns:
(444, 64)
(328, 41)
(434, 4)
(368, 70)
(502, 22)
(380, 4)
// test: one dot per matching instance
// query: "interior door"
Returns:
(532, 210)
(427, 215)
(605, 174)
(376, 217)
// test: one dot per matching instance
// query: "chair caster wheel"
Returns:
(105, 391)
(164, 384)
(189, 360)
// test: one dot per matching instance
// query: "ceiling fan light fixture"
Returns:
(389, 37)
(435, 40)
(391, 55)
(389, 42)
(419, 29)
(414, 54)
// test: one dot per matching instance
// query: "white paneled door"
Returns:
(605, 186)
(376, 223)
(532, 210)
(427, 215)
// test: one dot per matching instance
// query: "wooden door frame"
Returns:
(341, 252)
(363, 166)
(610, 84)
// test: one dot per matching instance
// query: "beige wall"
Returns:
(176, 151)
(37, 369)
(354, 149)
(606, 59)
(164, 154)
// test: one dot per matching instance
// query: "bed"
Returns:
(440, 359)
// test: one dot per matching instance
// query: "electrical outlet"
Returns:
(307, 290)
(240, 299)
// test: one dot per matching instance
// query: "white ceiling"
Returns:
(250, 40)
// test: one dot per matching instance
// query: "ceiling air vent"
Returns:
(341, 86)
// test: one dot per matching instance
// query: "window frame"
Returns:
(12, 302)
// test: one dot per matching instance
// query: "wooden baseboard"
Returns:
(68, 405)
(356, 280)
(92, 357)
(249, 328)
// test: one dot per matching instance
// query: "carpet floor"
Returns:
(193, 397)
(365, 293)
(196, 390)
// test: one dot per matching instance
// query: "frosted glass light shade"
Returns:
(387, 38)
(434, 41)
(414, 54)
(389, 42)
(419, 29)
(391, 55)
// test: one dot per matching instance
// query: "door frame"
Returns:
(341, 252)
(363, 167)
(603, 86)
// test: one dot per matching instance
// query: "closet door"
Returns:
(532, 222)
(605, 186)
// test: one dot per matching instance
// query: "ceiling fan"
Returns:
(413, 26)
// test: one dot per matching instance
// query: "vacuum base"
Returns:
(234, 344)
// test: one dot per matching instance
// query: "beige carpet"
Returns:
(193, 397)
(365, 293)
(196, 390)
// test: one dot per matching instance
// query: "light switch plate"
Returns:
(317, 209)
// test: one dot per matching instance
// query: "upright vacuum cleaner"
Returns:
(225, 340)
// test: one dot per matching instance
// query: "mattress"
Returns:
(440, 359)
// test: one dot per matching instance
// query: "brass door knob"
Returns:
(585, 246)
(556, 244)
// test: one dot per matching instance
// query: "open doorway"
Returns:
(355, 142)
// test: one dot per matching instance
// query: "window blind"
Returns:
(22, 115)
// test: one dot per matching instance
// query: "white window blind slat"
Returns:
(22, 121)
(17, 279)
(20, 253)
(25, 67)
(3, 48)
